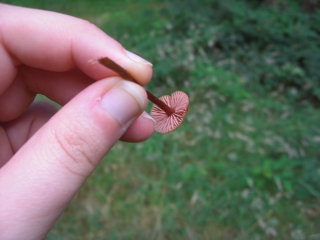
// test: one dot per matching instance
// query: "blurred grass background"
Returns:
(245, 162)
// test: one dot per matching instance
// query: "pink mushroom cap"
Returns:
(179, 102)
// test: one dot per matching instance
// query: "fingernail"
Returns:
(146, 115)
(137, 58)
(124, 102)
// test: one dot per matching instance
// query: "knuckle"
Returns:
(43, 107)
(86, 26)
(77, 150)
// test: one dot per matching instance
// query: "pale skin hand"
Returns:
(45, 157)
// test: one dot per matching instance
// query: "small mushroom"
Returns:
(165, 123)
(168, 111)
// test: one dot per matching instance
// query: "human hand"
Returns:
(46, 156)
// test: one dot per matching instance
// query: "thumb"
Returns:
(42, 177)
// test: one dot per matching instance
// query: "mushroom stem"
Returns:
(168, 110)
(125, 75)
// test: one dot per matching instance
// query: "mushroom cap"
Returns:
(179, 101)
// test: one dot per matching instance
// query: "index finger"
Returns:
(57, 42)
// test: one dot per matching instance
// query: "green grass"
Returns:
(243, 165)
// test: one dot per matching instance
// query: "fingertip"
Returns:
(25, 126)
(90, 47)
(138, 67)
(140, 130)
(43, 107)
(134, 57)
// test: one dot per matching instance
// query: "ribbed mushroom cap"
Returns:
(178, 101)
